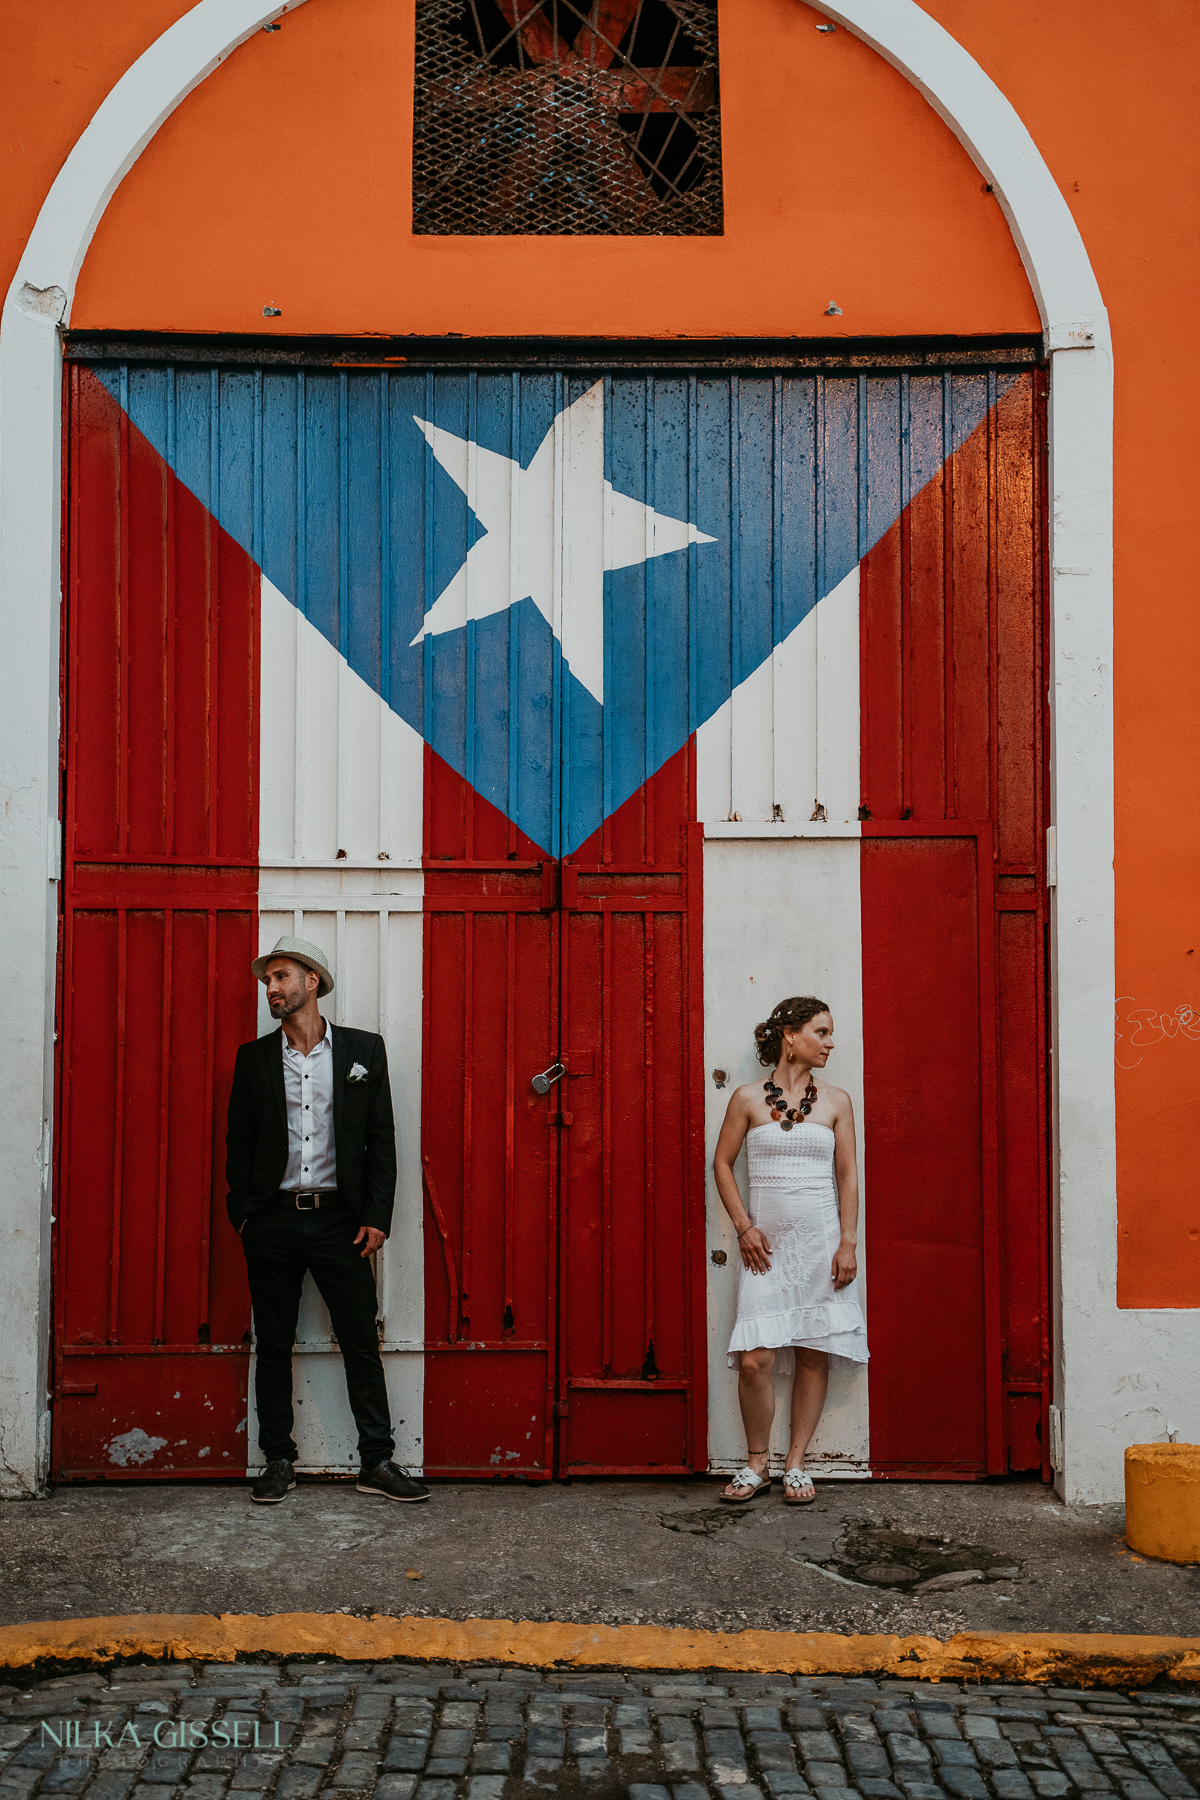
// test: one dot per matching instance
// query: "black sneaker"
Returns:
(275, 1483)
(386, 1479)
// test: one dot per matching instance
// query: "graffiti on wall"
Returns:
(1140, 1028)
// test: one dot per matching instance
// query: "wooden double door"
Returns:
(562, 1140)
(562, 595)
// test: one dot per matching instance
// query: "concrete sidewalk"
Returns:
(867, 1557)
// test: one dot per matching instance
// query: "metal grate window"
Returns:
(566, 117)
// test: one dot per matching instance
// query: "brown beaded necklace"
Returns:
(789, 1115)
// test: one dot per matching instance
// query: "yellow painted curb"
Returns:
(1103, 1659)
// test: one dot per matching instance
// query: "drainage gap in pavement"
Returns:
(910, 1563)
(701, 1523)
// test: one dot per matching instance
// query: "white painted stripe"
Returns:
(783, 915)
(783, 751)
(340, 771)
(779, 918)
(337, 763)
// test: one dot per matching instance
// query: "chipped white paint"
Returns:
(42, 303)
(339, 770)
(1098, 1341)
(133, 1448)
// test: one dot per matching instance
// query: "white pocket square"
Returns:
(357, 1072)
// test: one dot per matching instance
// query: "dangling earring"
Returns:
(791, 1056)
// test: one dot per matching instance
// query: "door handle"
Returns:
(541, 1084)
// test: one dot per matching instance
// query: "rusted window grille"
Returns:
(567, 117)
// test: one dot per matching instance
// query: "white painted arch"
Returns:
(1078, 341)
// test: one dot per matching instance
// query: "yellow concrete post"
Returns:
(1162, 1501)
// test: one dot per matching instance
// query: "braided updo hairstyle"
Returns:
(789, 1015)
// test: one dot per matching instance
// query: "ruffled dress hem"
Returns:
(809, 1328)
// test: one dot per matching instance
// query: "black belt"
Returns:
(308, 1199)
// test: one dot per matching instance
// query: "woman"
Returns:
(798, 1239)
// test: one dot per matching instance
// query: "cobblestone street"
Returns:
(426, 1732)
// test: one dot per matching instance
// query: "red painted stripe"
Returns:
(160, 743)
(923, 1152)
(953, 916)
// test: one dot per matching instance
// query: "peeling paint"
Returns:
(135, 1446)
(42, 303)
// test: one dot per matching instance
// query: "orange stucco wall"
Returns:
(57, 65)
(284, 180)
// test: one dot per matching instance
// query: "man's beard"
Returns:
(281, 1008)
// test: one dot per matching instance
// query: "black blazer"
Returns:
(364, 1134)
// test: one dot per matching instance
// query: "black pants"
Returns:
(281, 1244)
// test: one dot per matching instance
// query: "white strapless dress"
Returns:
(793, 1201)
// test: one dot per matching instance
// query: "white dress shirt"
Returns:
(308, 1085)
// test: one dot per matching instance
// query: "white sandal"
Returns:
(798, 1489)
(746, 1478)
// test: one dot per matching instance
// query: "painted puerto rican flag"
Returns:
(554, 581)
(557, 582)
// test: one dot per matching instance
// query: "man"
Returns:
(311, 1172)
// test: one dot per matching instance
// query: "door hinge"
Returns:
(1056, 1439)
(562, 1409)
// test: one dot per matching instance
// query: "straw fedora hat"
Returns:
(301, 951)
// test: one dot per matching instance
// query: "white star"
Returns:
(551, 531)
